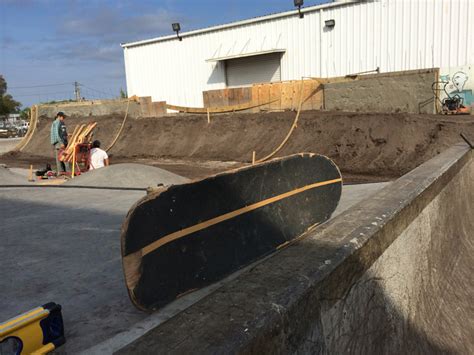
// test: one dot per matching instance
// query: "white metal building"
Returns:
(363, 35)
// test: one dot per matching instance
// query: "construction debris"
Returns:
(81, 134)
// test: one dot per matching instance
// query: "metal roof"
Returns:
(238, 23)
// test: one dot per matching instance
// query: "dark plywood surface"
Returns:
(261, 209)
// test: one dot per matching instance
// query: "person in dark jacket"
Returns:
(59, 141)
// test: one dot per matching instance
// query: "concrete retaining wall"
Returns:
(415, 298)
(404, 91)
(393, 274)
(143, 108)
(408, 91)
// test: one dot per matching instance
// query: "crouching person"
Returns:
(99, 157)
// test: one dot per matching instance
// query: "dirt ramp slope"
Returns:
(107, 128)
(127, 176)
(360, 143)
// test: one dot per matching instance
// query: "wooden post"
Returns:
(31, 174)
(208, 116)
(73, 161)
(253, 157)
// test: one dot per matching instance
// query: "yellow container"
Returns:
(38, 331)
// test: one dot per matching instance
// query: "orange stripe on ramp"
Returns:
(200, 226)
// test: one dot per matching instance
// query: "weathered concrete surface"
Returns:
(390, 92)
(8, 177)
(393, 274)
(63, 245)
(352, 194)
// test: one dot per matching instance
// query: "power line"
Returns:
(38, 86)
(88, 91)
(98, 91)
(45, 94)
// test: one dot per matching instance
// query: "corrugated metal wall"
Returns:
(390, 34)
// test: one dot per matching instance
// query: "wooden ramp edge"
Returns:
(31, 130)
(222, 109)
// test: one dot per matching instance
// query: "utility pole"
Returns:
(77, 91)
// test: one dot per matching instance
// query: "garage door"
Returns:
(255, 69)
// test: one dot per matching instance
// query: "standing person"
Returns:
(59, 141)
(99, 157)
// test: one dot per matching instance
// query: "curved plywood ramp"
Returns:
(31, 130)
(186, 237)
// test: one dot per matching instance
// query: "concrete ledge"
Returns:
(144, 108)
(408, 91)
(333, 291)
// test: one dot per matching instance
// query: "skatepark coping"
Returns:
(371, 280)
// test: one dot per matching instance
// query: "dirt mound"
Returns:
(105, 131)
(127, 175)
(366, 144)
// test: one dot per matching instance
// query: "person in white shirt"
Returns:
(99, 157)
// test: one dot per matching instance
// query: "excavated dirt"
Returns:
(366, 147)
(127, 175)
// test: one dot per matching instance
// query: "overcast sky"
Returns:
(50, 42)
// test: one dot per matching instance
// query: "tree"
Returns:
(123, 94)
(25, 114)
(7, 104)
(3, 85)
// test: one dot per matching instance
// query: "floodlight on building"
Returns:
(330, 23)
(299, 3)
(177, 27)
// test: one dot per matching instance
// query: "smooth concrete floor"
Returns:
(62, 245)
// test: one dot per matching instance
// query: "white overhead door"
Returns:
(255, 69)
